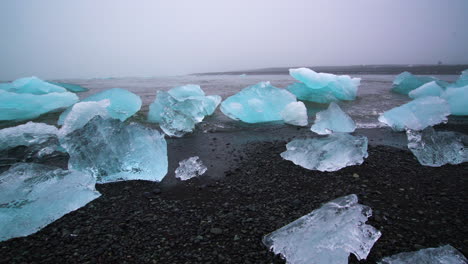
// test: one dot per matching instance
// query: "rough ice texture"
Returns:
(405, 82)
(179, 109)
(417, 114)
(257, 103)
(75, 88)
(295, 113)
(327, 235)
(441, 255)
(333, 120)
(457, 99)
(111, 151)
(123, 104)
(330, 153)
(81, 113)
(33, 196)
(323, 87)
(24, 106)
(32, 85)
(189, 168)
(435, 149)
(428, 89)
(26, 135)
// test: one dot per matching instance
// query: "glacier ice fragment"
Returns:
(321, 96)
(417, 114)
(257, 103)
(428, 89)
(75, 88)
(330, 153)
(326, 235)
(111, 151)
(457, 99)
(440, 255)
(32, 85)
(295, 113)
(81, 113)
(33, 196)
(462, 80)
(333, 120)
(405, 82)
(26, 135)
(190, 168)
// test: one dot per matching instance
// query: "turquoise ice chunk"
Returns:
(257, 103)
(123, 104)
(75, 88)
(295, 114)
(321, 96)
(440, 255)
(457, 98)
(33, 196)
(32, 85)
(81, 113)
(417, 114)
(111, 150)
(405, 82)
(462, 80)
(333, 120)
(428, 89)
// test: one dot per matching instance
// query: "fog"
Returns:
(88, 38)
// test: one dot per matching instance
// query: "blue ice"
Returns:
(333, 120)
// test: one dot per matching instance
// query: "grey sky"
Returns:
(99, 38)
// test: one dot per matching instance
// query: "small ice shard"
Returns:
(326, 235)
(26, 135)
(111, 150)
(295, 113)
(428, 89)
(457, 99)
(330, 153)
(417, 114)
(435, 149)
(32, 85)
(81, 113)
(75, 88)
(323, 87)
(257, 103)
(190, 168)
(333, 120)
(441, 255)
(33, 196)
(24, 106)
(123, 104)
(179, 109)
(405, 82)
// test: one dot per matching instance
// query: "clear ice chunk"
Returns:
(435, 149)
(295, 114)
(257, 103)
(330, 153)
(32, 85)
(441, 255)
(75, 88)
(179, 109)
(123, 104)
(428, 89)
(321, 96)
(457, 99)
(405, 82)
(333, 120)
(26, 135)
(417, 114)
(327, 235)
(190, 168)
(33, 196)
(111, 150)
(81, 113)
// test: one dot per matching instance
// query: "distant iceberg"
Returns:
(333, 120)
(31, 85)
(75, 88)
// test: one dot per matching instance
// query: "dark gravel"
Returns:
(223, 221)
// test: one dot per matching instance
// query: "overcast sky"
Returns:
(104, 38)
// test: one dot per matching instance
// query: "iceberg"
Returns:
(462, 80)
(33, 196)
(323, 87)
(428, 89)
(179, 109)
(405, 82)
(295, 114)
(81, 113)
(326, 235)
(417, 114)
(333, 120)
(441, 255)
(75, 88)
(32, 85)
(330, 153)
(123, 104)
(457, 99)
(26, 135)
(190, 168)
(111, 150)
(257, 103)
(435, 149)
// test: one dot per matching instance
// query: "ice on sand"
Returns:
(81, 113)
(295, 113)
(31, 85)
(190, 168)
(326, 235)
(428, 89)
(440, 255)
(26, 135)
(333, 120)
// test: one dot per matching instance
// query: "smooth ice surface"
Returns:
(295, 113)
(441, 255)
(405, 82)
(333, 120)
(111, 151)
(32, 85)
(457, 99)
(33, 196)
(428, 89)
(26, 135)
(189, 168)
(435, 149)
(123, 104)
(323, 87)
(417, 114)
(75, 88)
(257, 103)
(81, 113)
(179, 109)
(330, 153)
(327, 235)
(23, 106)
